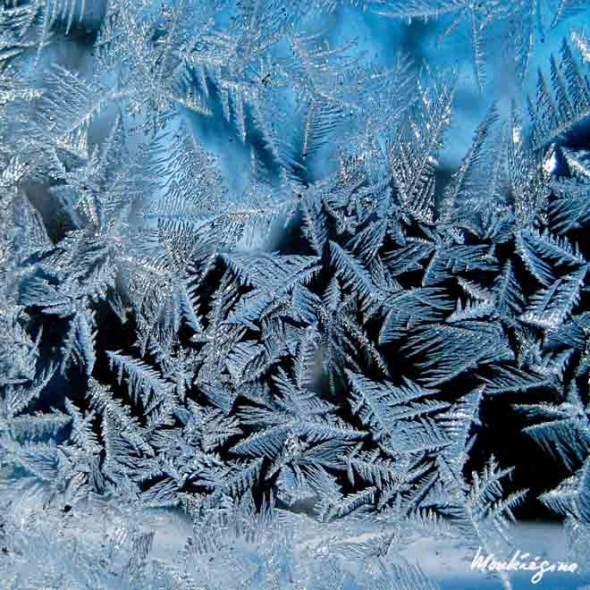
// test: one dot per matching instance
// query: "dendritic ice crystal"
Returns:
(294, 294)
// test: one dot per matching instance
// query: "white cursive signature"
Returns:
(521, 562)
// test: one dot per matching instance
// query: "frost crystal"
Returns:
(257, 302)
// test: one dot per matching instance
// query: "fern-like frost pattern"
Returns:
(261, 303)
